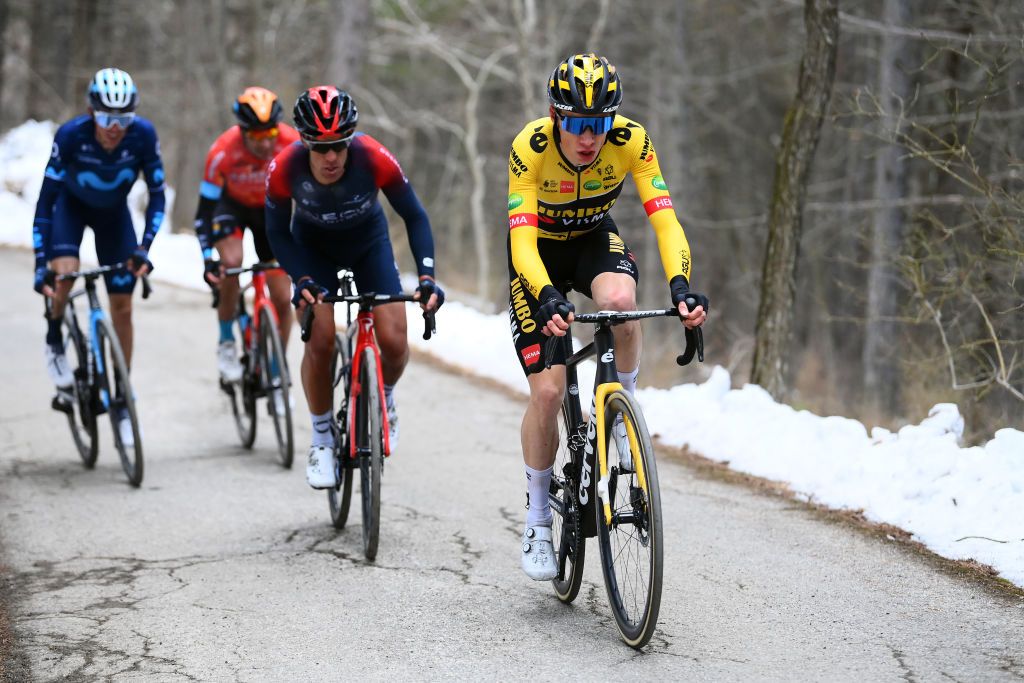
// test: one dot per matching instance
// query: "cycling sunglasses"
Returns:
(325, 147)
(105, 119)
(264, 134)
(577, 124)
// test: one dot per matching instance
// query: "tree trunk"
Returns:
(881, 347)
(348, 42)
(799, 141)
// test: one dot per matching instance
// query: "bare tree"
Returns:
(799, 141)
(881, 333)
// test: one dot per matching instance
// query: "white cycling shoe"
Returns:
(320, 467)
(57, 366)
(124, 429)
(228, 365)
(538, 559)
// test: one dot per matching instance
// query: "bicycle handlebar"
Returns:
(694, 336)
(366, 302)
(94, 273)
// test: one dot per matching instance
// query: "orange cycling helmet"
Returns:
(257, 109)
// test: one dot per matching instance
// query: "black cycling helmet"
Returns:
(325, 113)
(585, 84)
(257, 109)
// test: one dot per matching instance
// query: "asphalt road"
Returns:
(223, 566)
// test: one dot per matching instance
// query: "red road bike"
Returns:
(265, 369)
(361, 424)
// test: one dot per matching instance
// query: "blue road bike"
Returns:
(101, 382)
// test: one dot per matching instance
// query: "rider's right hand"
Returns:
(211, 272)
(307, 291)
(44, 280)
(555, 312)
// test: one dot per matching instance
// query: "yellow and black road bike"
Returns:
(605, 481)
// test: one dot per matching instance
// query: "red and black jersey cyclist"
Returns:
(231, 198)
(332, 181)
(566, 171)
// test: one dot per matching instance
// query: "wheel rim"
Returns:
(566, 518)
(275, 378)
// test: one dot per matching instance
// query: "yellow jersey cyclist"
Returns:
(566, 171)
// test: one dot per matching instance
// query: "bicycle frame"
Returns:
(587, 445)
(94, 363)
(261, 300)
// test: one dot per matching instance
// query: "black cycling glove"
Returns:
(551, 302)
(427, 287)
(681, 291)
(211, 267)
(306, 284)
(139, 258)
(44, 276)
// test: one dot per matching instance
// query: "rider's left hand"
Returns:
(429, 294)
(138, 264)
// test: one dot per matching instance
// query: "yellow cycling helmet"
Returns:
(585, 84)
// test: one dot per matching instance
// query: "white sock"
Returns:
(628, 379)
(389, 391)
(323, 434)
(537, 484)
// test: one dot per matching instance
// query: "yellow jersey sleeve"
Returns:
(672, 243)
(524, 164)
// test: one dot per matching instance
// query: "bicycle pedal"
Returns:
(63, 402)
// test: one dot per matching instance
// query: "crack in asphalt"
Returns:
(908, 673)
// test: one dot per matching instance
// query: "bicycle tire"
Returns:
(371, 459)
(113, 359)
(243, 393)
(82, 418)
(631, 546)
(565, 514)
(275, 378)
(339, 499)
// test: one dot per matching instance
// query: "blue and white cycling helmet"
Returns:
(113, 90)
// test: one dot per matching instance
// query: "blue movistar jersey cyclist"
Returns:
(88, 185)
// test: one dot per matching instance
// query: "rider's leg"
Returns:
(229, 249)
(617, 292)
(316, 361)
(393, 338)
(61, 265)
(539, 436)
(280, 287)
(121, 317)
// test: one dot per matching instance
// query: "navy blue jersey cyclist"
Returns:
(94, 162)
(332, 178)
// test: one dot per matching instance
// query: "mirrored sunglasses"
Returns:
(329, 146)
(577, 124)
(105, 119)
(264, 134)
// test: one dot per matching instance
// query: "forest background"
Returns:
(908, 281)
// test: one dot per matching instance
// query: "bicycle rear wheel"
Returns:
(566, 532)
(82, 415)
(243, 393)
(371, 457)
(339, 499)
(116, 369)
(631, 545)
(275, 379)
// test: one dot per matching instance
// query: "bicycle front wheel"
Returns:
(243, 393)
(339, 499)
(82, 414)
(371, 456)
(566, 531)
(116, 378)
(631, 544)
(276, 381)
